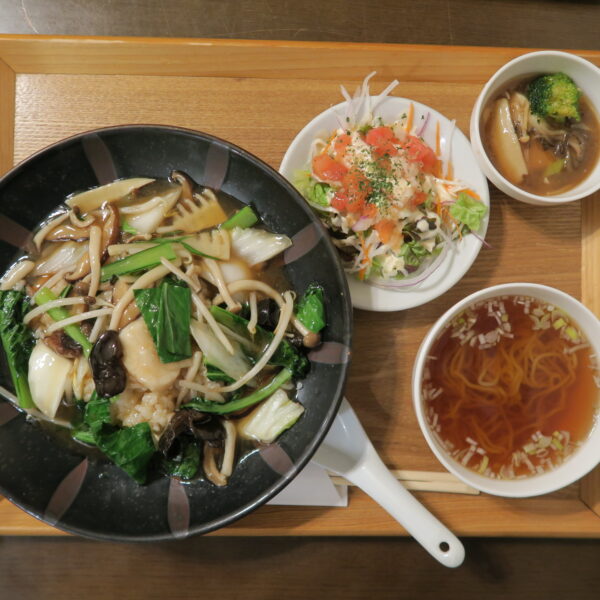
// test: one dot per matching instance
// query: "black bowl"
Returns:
(94, 498)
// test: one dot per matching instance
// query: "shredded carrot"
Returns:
(438, 147)
(473, 194)
(411, 115)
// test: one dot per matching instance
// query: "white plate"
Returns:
(461, 257)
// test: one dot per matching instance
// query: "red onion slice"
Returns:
(423, 127)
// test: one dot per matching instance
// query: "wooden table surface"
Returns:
(316, 567)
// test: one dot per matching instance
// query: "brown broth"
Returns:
(536, 182)
(474, 417)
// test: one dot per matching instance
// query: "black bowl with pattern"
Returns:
(94, 498)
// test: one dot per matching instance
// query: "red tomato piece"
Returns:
(382, 140)
(340, 201)
(418, 151)
(328, 169)
(357, 188)
(417, 199)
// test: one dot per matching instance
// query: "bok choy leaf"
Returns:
(285, 355)
(310, 309)
(167, 311)
(241, 403)
(17, 340)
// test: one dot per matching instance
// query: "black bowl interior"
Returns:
(92, 497)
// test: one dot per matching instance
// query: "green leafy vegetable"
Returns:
(186, 464)
(45, 295)
(243, 218)
(142, 261)
(314, 191)
(215, 374)
(17, 340)
(285, 355)
(245, 402)
(167, 311)
(468, 211)
(130, 448)
(413, 253)
(311, 308)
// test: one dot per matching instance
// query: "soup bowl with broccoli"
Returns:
(535, 128)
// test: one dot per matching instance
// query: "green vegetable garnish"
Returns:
(468, 211)
(167, 310)
(314, 191)
(215, 374)
(413, 253)
(142, 261)
(311, 309)
(285, 355)
(241, 403)
(130, 448)
(186, 465)
(17, 341)
(45, 295)
(243, 218)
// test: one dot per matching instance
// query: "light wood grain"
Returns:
(258, 95)
(590, 265)
(7, 116)
(249, 58)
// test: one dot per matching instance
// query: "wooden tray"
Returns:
(259, 95)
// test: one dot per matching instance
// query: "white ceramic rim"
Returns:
(509, 188)
(581, 462)
(459, 260)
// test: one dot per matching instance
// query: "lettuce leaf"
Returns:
(468, 211)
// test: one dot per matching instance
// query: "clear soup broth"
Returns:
(511, 387)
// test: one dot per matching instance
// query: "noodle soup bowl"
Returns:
(61, 483)
(587, 77)
(582, 460)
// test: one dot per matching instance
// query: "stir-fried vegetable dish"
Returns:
(151, 322)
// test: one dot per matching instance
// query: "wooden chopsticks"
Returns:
(423, 481)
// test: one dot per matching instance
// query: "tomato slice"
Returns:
(340, 201)
(417, 199)
(357, 188)
(328, 169)
(419, 152)
(385, 229)
(383, 141)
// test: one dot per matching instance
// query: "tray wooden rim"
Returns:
(27, 54)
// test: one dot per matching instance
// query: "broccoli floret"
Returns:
(554, 96)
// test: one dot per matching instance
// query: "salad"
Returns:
(389, 199)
